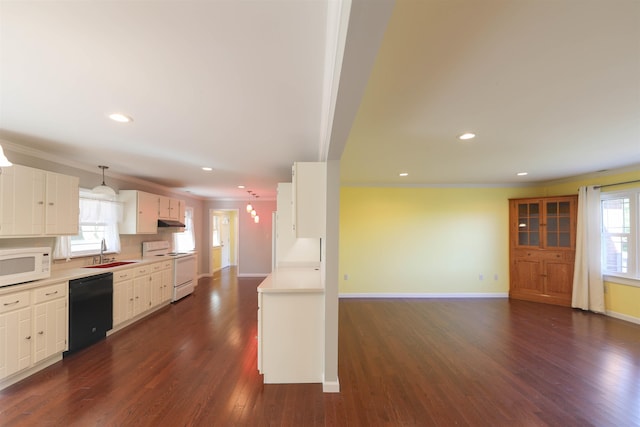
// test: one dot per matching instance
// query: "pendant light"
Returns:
(103, 190)
(249, 207)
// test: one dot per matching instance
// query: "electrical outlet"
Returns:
(346, 277)
(481, 277)
(495, 276)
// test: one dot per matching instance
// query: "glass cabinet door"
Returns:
(528, 224)
(558, 230)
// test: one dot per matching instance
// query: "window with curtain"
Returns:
(98, 220)
(620, 229)
(185, 241)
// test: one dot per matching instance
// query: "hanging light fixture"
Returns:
(4, 162)
(256, 219)
(249, 207)
(103, 190)
(253, 213)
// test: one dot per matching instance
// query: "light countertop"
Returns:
(293, 280)
(63, 275)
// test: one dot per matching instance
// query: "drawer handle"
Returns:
(27, 338)
(11, 303)
(51, 293)
(41, 333)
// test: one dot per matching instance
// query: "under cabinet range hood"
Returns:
(170, 223)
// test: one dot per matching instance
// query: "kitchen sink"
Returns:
(111, 264)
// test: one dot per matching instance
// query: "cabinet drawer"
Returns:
(142, 271)
(14, 301)
(167, 265)
(157, 266)
(122, 275)
(47, 293)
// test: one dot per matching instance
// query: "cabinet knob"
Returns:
(41, 202)
(28, 337)
(41, 333)
(50, 203)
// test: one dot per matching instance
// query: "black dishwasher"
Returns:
(90, 310)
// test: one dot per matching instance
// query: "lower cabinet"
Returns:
(291, 337)
(138, 290)
(33, 329)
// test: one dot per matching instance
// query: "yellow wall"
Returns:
(216, 258)
(440, 240)
(620, 300)
(425, 240)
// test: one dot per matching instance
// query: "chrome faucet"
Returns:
(103, 247)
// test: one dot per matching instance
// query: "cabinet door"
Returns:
(167, 281)
(558, 275)
(309, 199)
(526, 277)
(141, 294)
(164, 207)
(62, 204)
(15, 341)
(123, 300)
(155, 282)
(147, 213)
(528, 216)
(28, 201)
(50, 328)
(559, 223)
(7, 204)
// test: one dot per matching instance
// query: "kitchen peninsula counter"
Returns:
(293, 280)
(291, 326)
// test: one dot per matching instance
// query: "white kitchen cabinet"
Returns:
(23, 198)
(122, 296)
(169, 208)
(142, 290)
(167, 281)
(15, 333)
(50, 319)
(140, 212)
(62, 208)
(291, 326)
(35, 202)
(156, 284)
(309, 198)
(291, 251)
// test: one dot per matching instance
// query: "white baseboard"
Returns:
(331, 386)
(625, 317)
(426, 295)
(253, 274)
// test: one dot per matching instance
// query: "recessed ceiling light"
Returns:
(119, 117)
(467, 136)
(403, 174)
(522, 173)
(206, 168)
(240, 186)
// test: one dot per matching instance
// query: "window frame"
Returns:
(632, 276)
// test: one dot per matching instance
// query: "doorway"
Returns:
(223, 239)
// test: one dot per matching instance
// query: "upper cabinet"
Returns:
(309, 198)
(169, 208)
(35, 202)
(140, 212)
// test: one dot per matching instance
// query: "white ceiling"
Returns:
(550, 87)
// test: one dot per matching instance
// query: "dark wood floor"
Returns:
(476, 362)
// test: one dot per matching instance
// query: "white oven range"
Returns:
(184, 266)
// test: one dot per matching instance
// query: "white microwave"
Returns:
(19, 265)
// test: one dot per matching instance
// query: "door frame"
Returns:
(233, 232)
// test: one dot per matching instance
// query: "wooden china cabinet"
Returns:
(542, 243)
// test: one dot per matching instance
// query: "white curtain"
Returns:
(94, 211)
(588, 289)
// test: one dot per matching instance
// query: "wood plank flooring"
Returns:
(480, 362)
